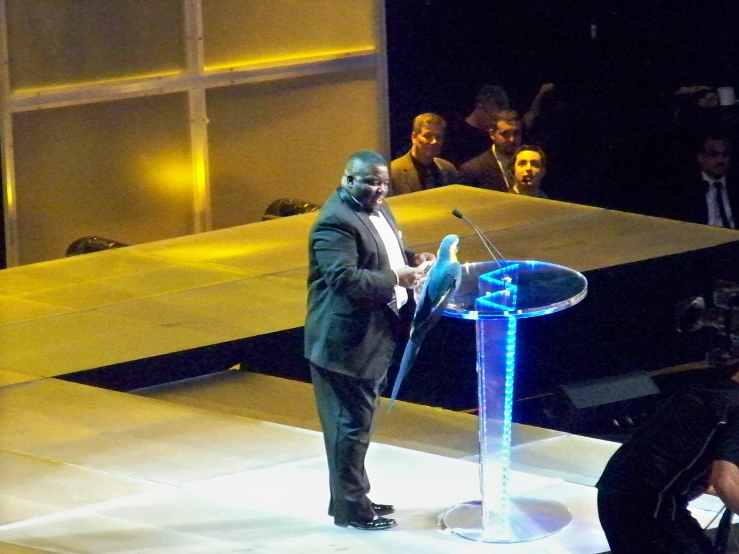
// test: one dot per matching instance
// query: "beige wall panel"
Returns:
(120, 170)
(286, 139)
(56, 42)
(239, 32)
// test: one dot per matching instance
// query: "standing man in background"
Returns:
(359, 274)
(491, 169)
(421, 168)
(468, 136)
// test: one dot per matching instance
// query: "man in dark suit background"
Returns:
(358, 276)
(421, 168)
(491, 169)
(711, 196)
(468, 136)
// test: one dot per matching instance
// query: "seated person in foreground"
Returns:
(689, 446)
(491, 169)
(528, 165)
(420, 168)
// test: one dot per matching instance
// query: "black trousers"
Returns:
(346, 407)
(631, 528)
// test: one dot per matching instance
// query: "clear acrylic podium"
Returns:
(496, 296)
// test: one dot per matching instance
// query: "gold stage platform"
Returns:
(110, 307)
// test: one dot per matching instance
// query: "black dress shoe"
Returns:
(377, 523)
(379, 509)
(383, 509)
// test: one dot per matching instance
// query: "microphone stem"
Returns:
(485, 241)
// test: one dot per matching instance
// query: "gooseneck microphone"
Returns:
(489, 245)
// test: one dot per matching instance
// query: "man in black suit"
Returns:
(491, 169)
(468, 136)
(358, 276)
(712, 197)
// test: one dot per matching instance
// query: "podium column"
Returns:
(501, 297)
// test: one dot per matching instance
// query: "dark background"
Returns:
(608, 128)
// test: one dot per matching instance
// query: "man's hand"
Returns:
(408, 276)
(421, 257)
(546, 88)
(725, 481)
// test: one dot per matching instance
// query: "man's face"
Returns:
(368, 184)
(506, 136)
(715, 158)
(528, 169)
(428, 141)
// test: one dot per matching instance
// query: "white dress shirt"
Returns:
(394, 253)
(504, 163)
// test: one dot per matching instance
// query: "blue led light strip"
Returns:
(510, 371)
(496, 364)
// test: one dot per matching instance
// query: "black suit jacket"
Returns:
(688, 202)
(352, 323)
(484, 172)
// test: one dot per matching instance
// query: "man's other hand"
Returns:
(408, 276)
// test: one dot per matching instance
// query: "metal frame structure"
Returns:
(195, 80)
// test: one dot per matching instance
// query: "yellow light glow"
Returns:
(111, 80)
(211, 252)
(307, 57)
(202, 220)
(409, 213)
(172, 175)
(9, 196)
(200, 184)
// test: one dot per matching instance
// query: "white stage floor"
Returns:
(90, 471)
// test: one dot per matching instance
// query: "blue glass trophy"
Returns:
(496, 295)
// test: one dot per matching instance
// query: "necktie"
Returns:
(719, 186)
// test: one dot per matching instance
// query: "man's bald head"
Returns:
(363, 159)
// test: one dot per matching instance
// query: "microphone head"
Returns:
(457, 213)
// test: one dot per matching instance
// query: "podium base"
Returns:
(529, 519)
